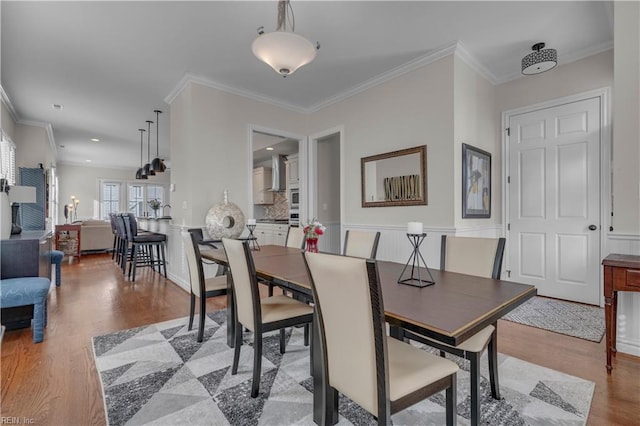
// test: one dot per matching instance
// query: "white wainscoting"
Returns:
(628, 337)
(330, 241)
(394, 245)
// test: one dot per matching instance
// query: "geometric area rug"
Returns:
(560, 316)
(160, 375)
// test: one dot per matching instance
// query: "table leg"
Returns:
(608, 312)
(614, 323)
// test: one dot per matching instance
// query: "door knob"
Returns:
(592, 227)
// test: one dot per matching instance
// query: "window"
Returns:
(7, 159)
(110, 198)
(118, 196)
(136, 200)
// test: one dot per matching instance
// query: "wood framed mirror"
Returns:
(397, 178)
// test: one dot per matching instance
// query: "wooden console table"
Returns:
(68, 239)
(621, 273)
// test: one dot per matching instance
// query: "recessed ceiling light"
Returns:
(61, 146)
(88, 161)
(57, 106)
(95, 140)
(270, 148)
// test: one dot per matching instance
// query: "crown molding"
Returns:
(405, 68)
(203, 81)
(7, 103)
(462, 53)
(412, 65)
(48, 129)
(566, 59)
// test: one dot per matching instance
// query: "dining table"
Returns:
(451, 311)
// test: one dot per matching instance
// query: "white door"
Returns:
(554, 200)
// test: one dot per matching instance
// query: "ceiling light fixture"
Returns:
(140, 173)
(148, 170)
(95, 140)
(57, 107)
(269, 148)
(540, 60)
(158, 163)
(284, 51)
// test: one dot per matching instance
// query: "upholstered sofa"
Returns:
(95, 235)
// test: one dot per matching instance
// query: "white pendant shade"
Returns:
(284, 51)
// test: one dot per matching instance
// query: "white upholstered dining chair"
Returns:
(381, 374)
(480, 257)
(361, 244)
(201, 287)
(256, 314)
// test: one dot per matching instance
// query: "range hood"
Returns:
(278, 173)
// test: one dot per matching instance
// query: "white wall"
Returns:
(626, 126)
(6, 122)
(84, 184)
(477, 124)
(210, 150)
(413, 109)
(32, 146)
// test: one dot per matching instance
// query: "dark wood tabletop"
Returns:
(452, 310)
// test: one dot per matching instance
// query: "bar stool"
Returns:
(142, 245)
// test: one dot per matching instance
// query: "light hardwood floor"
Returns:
(56, 383)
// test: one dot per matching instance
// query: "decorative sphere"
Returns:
(224, 220)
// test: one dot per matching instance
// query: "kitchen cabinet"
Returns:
(261, 185)
(279, 234)
(293, 169)
(271, 233)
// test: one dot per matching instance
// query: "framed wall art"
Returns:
(476, 182)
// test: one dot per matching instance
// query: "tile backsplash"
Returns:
(279, 209)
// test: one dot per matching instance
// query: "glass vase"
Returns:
(312, 245)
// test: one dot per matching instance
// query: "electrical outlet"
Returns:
(324, 207)
(184, 205)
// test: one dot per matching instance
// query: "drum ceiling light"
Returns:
(283, 50)
(540, 60)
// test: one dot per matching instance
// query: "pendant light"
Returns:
(284, 51)
(140, 174)
(147, 167)
(158, 163)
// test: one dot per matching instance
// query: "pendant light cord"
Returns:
(158, 112)
(141, 142)
(149, 122)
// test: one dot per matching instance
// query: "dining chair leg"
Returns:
(236, 349)
(257, 362)
(164, 261)
(331, 405)
(134, 262)
(282, 340)
(307, 327)
(474, 372)
(191, 310)
(270, 289)
(203, 312)
(492, 354)
(452, 403)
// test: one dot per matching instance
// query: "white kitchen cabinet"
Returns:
(261, 185)
(264, 233)
(280, 234)
(294, 171)
(271, 233)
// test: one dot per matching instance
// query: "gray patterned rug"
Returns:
(559, 316)
(160, 375)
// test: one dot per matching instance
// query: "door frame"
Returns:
(606, 208)
(312, 173)
(302, 150)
